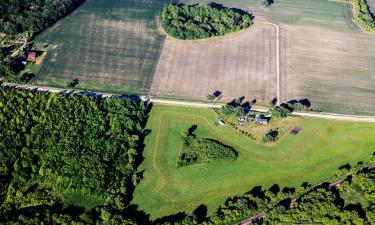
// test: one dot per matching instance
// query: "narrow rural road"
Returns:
(277, 60)
(252, 219)
(355, 118)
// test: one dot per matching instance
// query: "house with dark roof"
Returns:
(262, 119)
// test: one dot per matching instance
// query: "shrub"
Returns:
(271, 136)
(279, 112)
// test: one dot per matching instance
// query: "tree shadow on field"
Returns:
(237, 10)
(199, 215)
(192, 129)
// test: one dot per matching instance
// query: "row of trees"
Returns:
(202, 20)
(350, 200)
(54, 145)
(17, 16)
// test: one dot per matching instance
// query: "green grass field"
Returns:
(312, 156)
(108, 45)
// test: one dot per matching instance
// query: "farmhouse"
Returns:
(261, 119)
(31, 55)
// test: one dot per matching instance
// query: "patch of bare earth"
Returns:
(334, 70)
(241, 64)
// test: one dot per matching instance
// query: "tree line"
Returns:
(347, 198)
(202, 20)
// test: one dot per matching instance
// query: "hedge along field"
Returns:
(108, 45)
(313, 156)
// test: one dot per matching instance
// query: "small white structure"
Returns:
(221, 122)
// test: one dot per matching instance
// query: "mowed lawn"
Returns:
(311, 156)
(108, 45)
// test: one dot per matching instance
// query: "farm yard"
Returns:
(317, 151)
(239, 64)
(108, 45)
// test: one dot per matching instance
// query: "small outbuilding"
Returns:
(221, 122)
(31, 55)
(261, 119)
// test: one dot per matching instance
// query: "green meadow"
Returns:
(312, 156)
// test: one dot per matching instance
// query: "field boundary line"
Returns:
(277, 59)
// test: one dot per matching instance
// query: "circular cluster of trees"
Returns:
(202, 20)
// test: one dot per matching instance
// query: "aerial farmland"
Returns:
(323, 55)
(187, 112)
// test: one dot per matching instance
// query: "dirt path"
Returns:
(277, 59)
(343, 117)
(252, 219)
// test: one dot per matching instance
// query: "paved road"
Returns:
(205, 105)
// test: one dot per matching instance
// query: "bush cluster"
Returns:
(271, 136)
(202, 20)
(203, 150)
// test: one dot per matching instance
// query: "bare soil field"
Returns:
(108, 42)
(333, 70)
(324, 57)
(241, 64)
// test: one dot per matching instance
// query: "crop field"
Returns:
(241, 64)
(324, 57)
(108, 45)
(311, 156)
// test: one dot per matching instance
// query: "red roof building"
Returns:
(31, 55)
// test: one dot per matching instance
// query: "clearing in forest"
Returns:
(311, 156)
(108, 45)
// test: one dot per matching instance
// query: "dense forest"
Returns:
(60, 151)
(203, 150)
(17, 16)
(202, 20)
